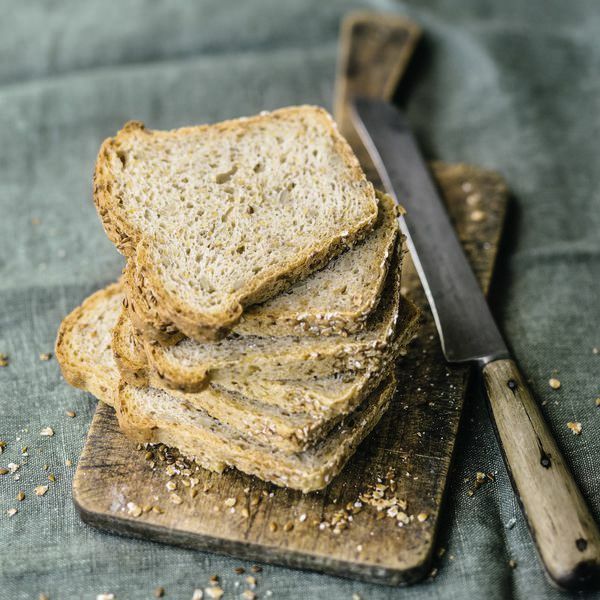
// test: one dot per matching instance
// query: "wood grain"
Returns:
(560, 521)
(374, 51)
(415, 438)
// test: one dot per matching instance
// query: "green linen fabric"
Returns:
(512, 86)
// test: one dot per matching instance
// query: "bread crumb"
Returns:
(3, 360)
(554, 383)
(574, 427)
(11, 512)
(21, 496)
(230, 502)
(105, 597)
(159, 592)
(134, 509)
(512, 564)
(71, 414)
(214, 592)
(197, 595)
(47, 432)
(473, 199)
(422, 517)
(40, 490)
(45, 356)
(477, 216)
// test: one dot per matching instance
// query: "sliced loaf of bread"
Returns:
(336, 300)
(322, 398)
(220, 217)
(290, 416)
(189, 364)
(152, 416)
(264, 418)
(155, 416)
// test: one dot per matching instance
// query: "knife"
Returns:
(564, 531)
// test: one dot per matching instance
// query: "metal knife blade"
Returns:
(562, 526)
(466, 326)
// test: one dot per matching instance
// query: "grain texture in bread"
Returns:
(151, 416)
(220, 217)
(85, 337)
(287, 415)
(189, 364)
(337, 300)
(154, 416)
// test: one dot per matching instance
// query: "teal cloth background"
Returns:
(513, 86)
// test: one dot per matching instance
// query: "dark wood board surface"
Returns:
(415, 439)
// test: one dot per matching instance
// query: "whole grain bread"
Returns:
(271, 415)
(153, 416)
(322, 398)
(87, 333)
(220, 217)
(336, 300)
(189, 364)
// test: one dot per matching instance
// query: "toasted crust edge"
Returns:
(73, 370)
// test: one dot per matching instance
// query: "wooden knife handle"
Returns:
(567, 538)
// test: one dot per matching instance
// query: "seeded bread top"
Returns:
(222, 216)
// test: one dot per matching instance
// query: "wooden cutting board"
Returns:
(412, 445)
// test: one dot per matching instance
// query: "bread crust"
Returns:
(135, 245)
(73, 368)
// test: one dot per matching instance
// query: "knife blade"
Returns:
(466, 326)
(566, 535)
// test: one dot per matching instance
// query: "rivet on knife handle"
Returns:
(560, 522)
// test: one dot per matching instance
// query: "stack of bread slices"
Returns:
(258, 320)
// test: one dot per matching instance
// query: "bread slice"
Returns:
(220, 217)
(189, 364)
(151, 416)
(322, 398)
(336, 300)
(266, 417)
(261, 410)
(85, 337)
(155, 416)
